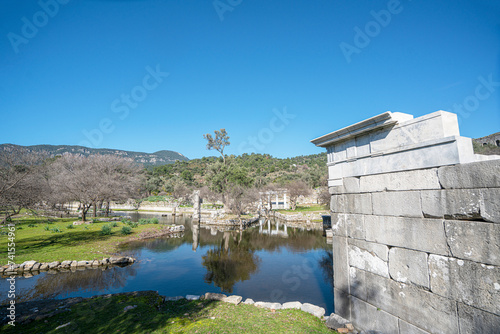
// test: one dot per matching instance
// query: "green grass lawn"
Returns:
(83, 242)
(151, 315)
(306, 208)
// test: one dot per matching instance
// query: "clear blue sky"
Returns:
(83, 66)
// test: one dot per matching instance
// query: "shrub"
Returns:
(31, 225)
(143, 221)
(46, 228)
(70, 226)
(126, 230)
(114, 224)
(126, 220)
(55, 230)
(95, 221)
(132, 224)
(154, 221)
(106, 230)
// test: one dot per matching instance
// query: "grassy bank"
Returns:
(150, 315)
(45, 240)
(306, 208)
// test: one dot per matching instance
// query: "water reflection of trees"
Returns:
(230, 262)
(326, 264)
(50, 286)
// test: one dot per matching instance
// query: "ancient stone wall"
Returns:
(416, 240)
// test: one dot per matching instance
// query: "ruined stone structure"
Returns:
(416, 226)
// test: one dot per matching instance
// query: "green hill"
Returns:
(147, 159)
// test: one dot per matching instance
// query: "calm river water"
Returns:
(269, 261)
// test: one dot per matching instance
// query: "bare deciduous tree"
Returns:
(295, 189)
(23, 181)
(241, 199)
(94, 179)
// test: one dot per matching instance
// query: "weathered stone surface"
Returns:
(83, 263)
(469, 282)
(397, 203)
(54, 264)
(336, 190)
(451, 203)
(342, 303)
(409, 266)
(421, 234)
(351, 185)
(272, 306)
(400, 181)
(407, 328)
(232, 299)
(66, 264)
(337, 203)
(338, 224)
(425, 310)
(44, 266)
(355, 226)
(313, 309)
(476, 241)
(296, 305)
(335, 321)
(381, 251)
(358, 203)
(27, 265)
(214, 296)
(362, 259)
(340, 264)
(484, 174)
(249, 301)
(105, 261)
(74, 263)
(473, 321)
(192, 297)
(490, 205)
(368, 317)
(118, 260)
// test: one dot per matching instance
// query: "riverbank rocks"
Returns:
(295, 305)
(313, 309)
(214, 296)
(249, 301)
(192, 297)
(272, 306)
(32, 268)
(233, 299)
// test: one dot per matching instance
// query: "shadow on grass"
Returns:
(137, 312)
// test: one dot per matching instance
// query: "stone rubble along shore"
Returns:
(32, 268)
(37, 310)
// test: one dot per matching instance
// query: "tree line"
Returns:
(32, 180)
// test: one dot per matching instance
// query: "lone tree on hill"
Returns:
(218, 143)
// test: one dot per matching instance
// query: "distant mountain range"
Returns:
(147, 159)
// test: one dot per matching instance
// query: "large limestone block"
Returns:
(476, 241)
(421, 308)
(351, 225)
(351, 185)
(400, 181)
(473, 321)
(409, 266)
(421, 234)
(368, 317)
(490, 205)
(379, 250)
(358, 203)
(363, 259)
(397, 203)
(484, 174)
(471, 283)
(337, 203)
(451, 203)
(340, 264)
